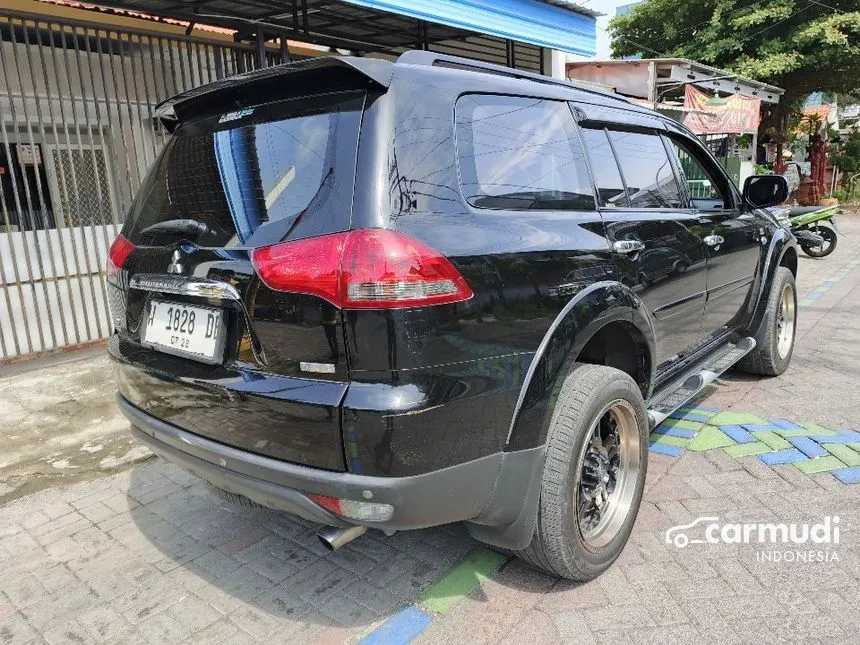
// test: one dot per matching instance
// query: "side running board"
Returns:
(678, 392)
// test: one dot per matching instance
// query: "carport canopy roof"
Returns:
(388, 26)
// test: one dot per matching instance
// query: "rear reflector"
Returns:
(354, 510)
(117, 255)
(363, 269)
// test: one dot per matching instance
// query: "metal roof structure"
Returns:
(655, 78)
(476, 28)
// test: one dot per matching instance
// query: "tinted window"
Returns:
(648, 173)
(257, 173)
(610, 188)
(519, 153)
(705, 184)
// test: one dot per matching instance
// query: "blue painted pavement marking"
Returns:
(807, 446)
(672, 431)
(785, 425)
(760, 428)
(844, 436)
(663, 449)
(782, 457)
(690, 416)
(738, 434)
(400, 628)
(848, 475)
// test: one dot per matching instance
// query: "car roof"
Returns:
(381, 74)
(510, 80)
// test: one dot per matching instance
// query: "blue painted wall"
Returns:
(527, 21)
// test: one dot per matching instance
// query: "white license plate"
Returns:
(185, 330)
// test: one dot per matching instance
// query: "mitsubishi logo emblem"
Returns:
(175, 265)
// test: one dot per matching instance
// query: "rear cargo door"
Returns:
(186, 297)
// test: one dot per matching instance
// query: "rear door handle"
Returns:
(714, 240)
(628, 246)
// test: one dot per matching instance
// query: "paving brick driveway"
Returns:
(148, 555)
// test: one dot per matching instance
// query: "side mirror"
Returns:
(766, 190)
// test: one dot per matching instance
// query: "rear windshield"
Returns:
(254, 176)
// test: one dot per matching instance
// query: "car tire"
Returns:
(563, 544)
(775, 340)
(232, 498)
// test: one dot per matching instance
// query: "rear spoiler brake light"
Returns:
(229, 92)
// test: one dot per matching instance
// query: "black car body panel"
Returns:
(417, 392)
(274, 416)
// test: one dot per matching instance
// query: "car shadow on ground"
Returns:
(268, 567)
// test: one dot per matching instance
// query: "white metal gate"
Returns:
(76, 137)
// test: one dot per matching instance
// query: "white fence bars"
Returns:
(76, 137)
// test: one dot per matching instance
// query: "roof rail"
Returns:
(421, 57)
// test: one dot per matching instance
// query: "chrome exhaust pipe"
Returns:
(333, 538)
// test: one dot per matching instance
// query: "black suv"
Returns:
(398, 295)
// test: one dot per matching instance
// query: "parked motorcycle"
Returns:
(807, 224)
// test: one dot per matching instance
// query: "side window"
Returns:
(520, 154)
(647, 170)
(607, 177)
(707, 186)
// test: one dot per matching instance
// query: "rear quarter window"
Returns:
(519, 153)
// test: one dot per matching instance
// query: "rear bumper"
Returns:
(454, 494)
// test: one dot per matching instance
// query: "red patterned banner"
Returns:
(739, 114)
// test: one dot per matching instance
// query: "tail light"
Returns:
(354, 510)
(363, 269)
(117, 255)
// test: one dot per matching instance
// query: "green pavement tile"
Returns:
(669, 440)
(773, 440)
(819, 465)
(814, 428)
(729, 418)
(683, 424)
(708, 438)
(747, 449)
(443, 594)
(843, 453)
(854, 446)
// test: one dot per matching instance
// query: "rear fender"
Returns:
(586, 314)
(509, 519)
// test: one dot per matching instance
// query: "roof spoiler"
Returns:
(227, 91)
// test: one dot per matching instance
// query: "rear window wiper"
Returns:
(185, 226)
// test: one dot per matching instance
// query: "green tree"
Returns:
(847, 156)
(802, 46)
